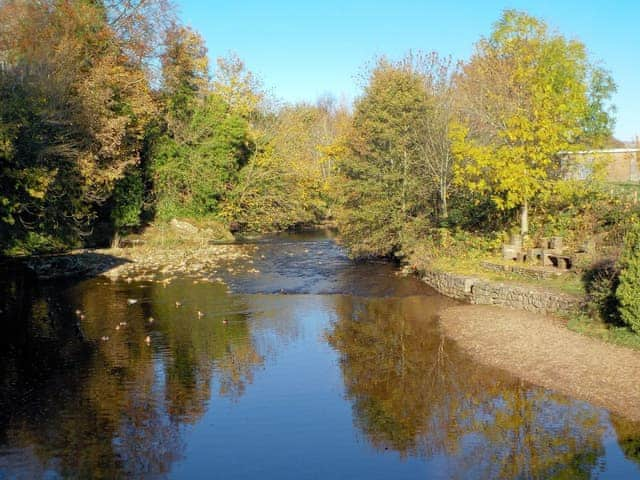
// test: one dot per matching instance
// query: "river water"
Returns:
(301, 364)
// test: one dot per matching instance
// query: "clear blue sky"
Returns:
(302, 49)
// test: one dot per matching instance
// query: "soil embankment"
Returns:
(540, 349)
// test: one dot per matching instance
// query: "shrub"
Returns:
(628, 292)
(128, 198)
(600, 283)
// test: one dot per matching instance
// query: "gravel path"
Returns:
(543, 351)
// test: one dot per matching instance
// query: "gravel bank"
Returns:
(540, 349)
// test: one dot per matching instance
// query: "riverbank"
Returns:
(541, 350)
(480, 291)
(164, 250)
(142, 262)
(534, 296)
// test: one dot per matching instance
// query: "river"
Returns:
(298, 364)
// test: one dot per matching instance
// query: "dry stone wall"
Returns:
(484, 292)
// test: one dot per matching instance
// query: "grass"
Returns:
(162, 235)
(569, 283)
(629, 191)
(586, 325)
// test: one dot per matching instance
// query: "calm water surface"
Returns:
(310, 367)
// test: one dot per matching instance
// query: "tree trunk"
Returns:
(443, 201)
(115, 243)
(524, 218)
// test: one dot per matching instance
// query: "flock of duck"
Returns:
(132, 301)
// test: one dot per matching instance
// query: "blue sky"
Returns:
(303, 49)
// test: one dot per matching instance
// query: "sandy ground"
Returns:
(543, 351)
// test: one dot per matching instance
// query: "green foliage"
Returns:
(193, 167)
(628, 292)
(128, 200)
(34, 242)
(40, 190)
(601, 282)
(185, 72)
(593, 327)
(383, 189)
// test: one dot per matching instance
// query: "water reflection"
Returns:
(414, 392)
(628, 435)
(95, 398)
(163, 380)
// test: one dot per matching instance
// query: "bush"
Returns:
(600, 283)
(628, 292)
(128, 199)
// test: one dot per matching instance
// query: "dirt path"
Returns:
(541, 350)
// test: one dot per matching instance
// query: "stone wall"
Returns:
(485, 292)
(450, 284)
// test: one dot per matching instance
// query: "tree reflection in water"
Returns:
(628, 434)
(73, 404)
(414, 392)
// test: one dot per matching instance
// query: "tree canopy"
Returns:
(527, 94)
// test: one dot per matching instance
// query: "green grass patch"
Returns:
(628, 191)
(163, 235)
(569, 283)
(623, 336)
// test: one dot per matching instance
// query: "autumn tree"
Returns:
(238, 86)
(74, 110)
(526, 94)
(288, 181)
(285, 182)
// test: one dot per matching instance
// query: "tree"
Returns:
(435, 146)
(239, 88)
(185, 75)
(628, 291)
(74, 108)
(282, 186)
(380, 170)
(526, 94)
(195, 167)
(128, 201)
(204, 141)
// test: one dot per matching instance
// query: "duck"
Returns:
(224, 321)
(150, 320)
(178, 304)
(104, 338)
(147, 339)
(200, 314)
(131, 301)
